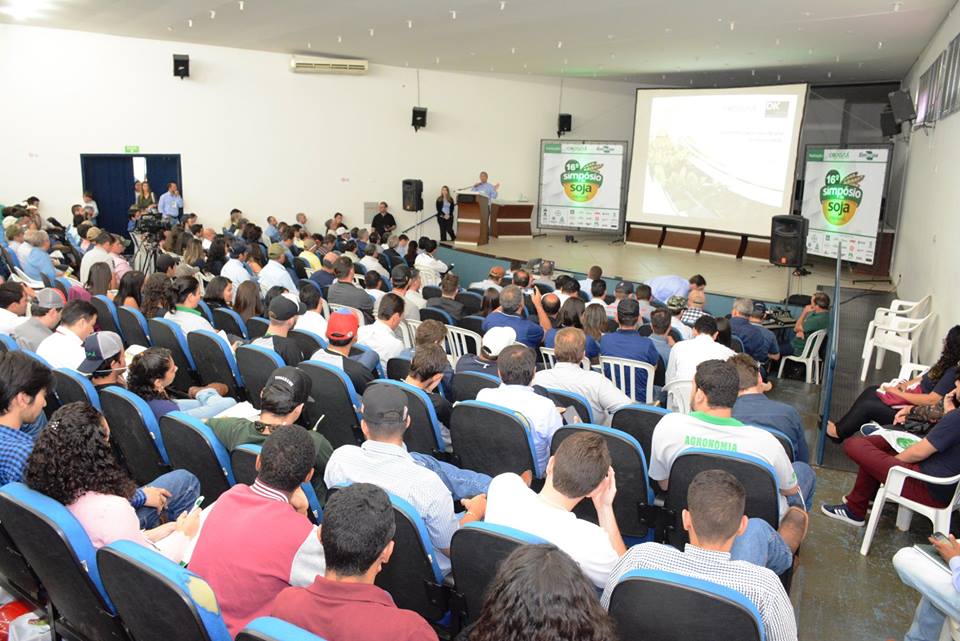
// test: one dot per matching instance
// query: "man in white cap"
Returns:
(44, 318)
(492, 344)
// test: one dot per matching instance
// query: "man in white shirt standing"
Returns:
(14, 298)
(234, 269)
(64, 348)
(516, 365)
(379, 336)
(685, 356)
(580, 469)
(98, 254)
(604, 397)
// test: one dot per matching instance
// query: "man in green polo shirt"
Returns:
(815, 316)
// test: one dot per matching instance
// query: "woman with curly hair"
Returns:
(72, 462)
(541, 594)
(158, 296)
(928, 389)
(152, 371)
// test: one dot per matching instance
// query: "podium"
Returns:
(472, 218)
(511, 220)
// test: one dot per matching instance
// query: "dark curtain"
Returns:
(162, 170)
(110, 179)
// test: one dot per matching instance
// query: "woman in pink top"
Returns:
(72, 462)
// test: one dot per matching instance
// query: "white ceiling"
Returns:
(670, 42)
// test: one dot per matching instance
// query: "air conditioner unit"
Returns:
(312, 64)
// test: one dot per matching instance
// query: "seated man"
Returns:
(447, 301)
(64, 348)
(345, 292)
(343, 603)
(275, 272)
(663, 287)
(696, 299)
(687, 355)
(711, 427)
(754, 408)
(494, 279)
(756, 342)
(283, 314)
(324, 277)
(510, 315)
(516, 366)
(256, 539)
(44, 318)
(380, 336)
(433, 332)
(340, 352)
(493, 342)
(604, 397)
(106, 360)
(660, 334)
(580, 469)
(429, 485)
(714, 519)
(14, 298)
(186, 314)
(939, 590)
(311, 320)
(938, 454)
(626, 342)
(676, 305)
(39, 263)
(426, 372)
(815, 316)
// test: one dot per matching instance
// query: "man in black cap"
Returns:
(283, 314)
(400, 277)
(281, 403)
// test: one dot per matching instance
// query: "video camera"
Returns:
(151, 223)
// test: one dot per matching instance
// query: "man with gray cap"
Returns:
(427, 484)
(105, 362)
(283, 313)
(44, 318)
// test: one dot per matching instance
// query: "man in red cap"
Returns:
(359, 365)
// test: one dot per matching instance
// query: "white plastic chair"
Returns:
(678, 395)
(346, 308)
(910, 309)
(890, 491)
(623, 373)
(893, 333)
(458, 341)
(358, 280)
(408, 332)
(549, 359)
(809, 358)
(21, 276)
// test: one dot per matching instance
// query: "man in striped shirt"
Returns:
(714, 518)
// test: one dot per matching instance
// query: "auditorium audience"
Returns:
(715, 521)
(373, 284)
(663, 287)
(152, 371)
(274, 272)
(754, 408)
(73, 462)
(130, 290)
(676, 305)
(660, 335)
(218, 292)
(725, 336)
(344, 292)
(106, 362)
(99, 253)
(696, 299)
(158, 296)
(248, 571)
(187, 294)
(485, 361)
(427, 369)
(100, 282)
(380, 336)
(447, 301)
(571, 315)
(282, 314)
(490, 302)
(343, 602)
(814, 317)
(938, 589)
(45, 313)
(64, 347)
(312, 320)
(626, 342)
(38, 262)
(235, 268)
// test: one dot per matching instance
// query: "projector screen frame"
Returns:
(792, 206)
(624, 177)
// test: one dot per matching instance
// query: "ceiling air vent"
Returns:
(310, 64)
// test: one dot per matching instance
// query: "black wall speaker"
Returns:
(412, 194)
(181, 65)
(419, 118)
(888, 124)
(902, 103)
(564, 124)
(788, 240)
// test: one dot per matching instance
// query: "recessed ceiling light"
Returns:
(777, 41)
(559, 44)
(339, 39)
(837, 59)
(409, 24)
(667, 29)
(213, 14)
(371, 32)
(240, 3)
(609, 36)
(190, 22)
(513, 50)
(897, 6)
(309, 46)
(829, 74)
(880, 44)
(503, 4)
(807, 14)
(453, 14)
(733, 25)
(719, 19)
(437, 60)
(169, 28)
(613, 56)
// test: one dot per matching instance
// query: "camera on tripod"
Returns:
(151, 224)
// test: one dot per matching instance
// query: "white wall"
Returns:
(253, 135)
(927, 254)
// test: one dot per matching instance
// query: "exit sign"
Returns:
(131, 149)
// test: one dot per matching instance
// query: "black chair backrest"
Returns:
(638, 421)
(212, 363)
(257, 326)
(164, 336)
(410, 577)
(398, 368)
(82, 611)
(466, 385)
(223, 319)
(489, 440)
(667, 607)
(105, 319)
(256, 364)
(131, 437)
(300, 267)
(70, 389)
(16, 574)
(473, 323)
(431, 291)
(564, 399)
(307, 342)
(419, 437)
(437, 314)
(471, 302)
(332, 411)
(133, 333)
(633, 489)
(244, 464)
(187, 449)
(763, 496)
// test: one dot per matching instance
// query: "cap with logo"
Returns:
(384, 406)
(496, 339)
(342, 325)
(282, 308)
(294, 382)
(99, 346)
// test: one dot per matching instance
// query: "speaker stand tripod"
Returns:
(794, 273)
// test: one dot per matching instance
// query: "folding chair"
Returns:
(256, 364)
(215, 361)
(639, 421)
(229, 321)
(466, 385)
(462, 341)
(334, 410)
(135, 433)
(166, 333)
(424, 434)
(134, 326)
(809, 357)
(308, 342)
(549, 359)
(193, 446)
(634, 378)
(653, 604)
(492, 439)
(158, 599)
(678, 395)
(257, 327)
(72, 386)
(271, 629)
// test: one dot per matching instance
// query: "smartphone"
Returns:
(197, 503)
(940, 537)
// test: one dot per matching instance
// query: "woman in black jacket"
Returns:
(445, 205)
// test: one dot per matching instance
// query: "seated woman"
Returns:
(153, 371)
(571, 315)
(158, 297)
(216, 255)
(922, 390)
(72, 462)
(218, 292)
(247, 302)
(130, 290)
(491, 301)
(100, 281)
(938, 455)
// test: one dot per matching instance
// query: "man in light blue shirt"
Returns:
(170, 204)
(485, 188)
(271, 232)
(38, 260)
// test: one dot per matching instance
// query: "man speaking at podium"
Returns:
(485, 188)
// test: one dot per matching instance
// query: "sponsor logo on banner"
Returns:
(581, 184)
(839, 199)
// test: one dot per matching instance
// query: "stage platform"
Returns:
(725, 275)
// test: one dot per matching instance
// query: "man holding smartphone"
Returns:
(939, 587)
(170, 204)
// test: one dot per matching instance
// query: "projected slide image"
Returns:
(715, 156)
